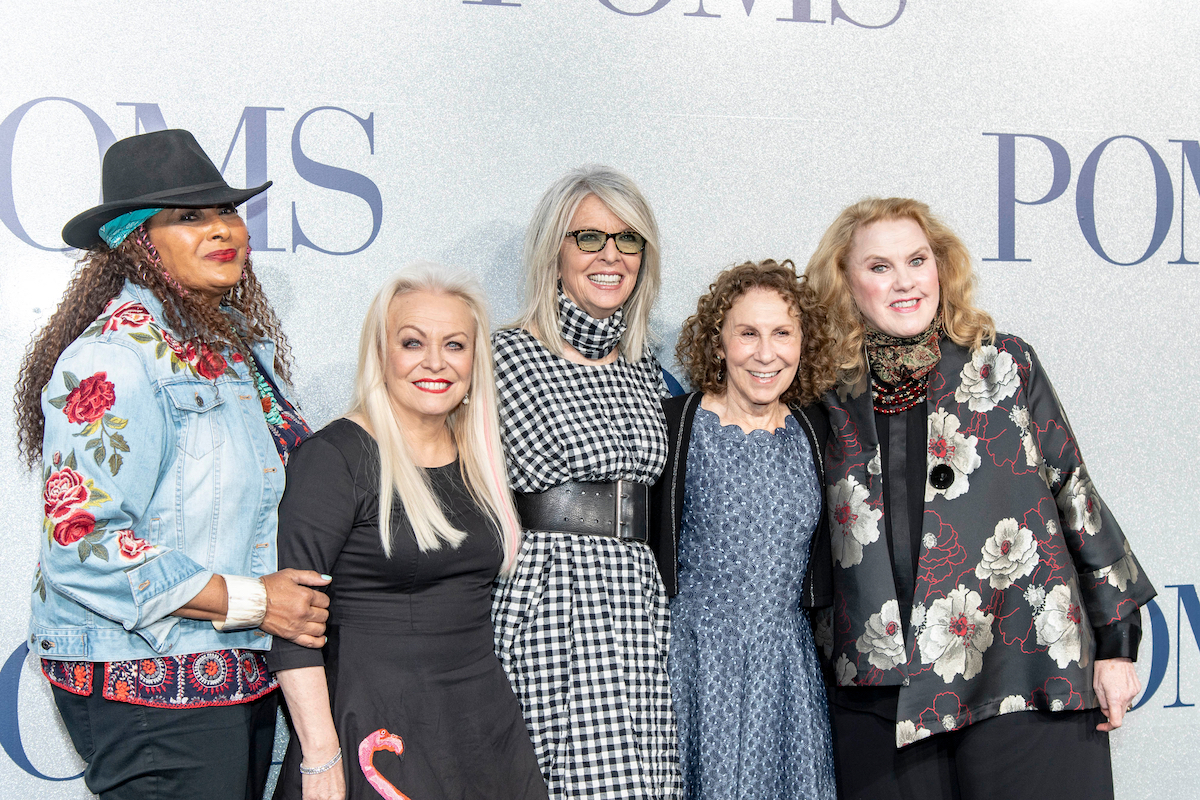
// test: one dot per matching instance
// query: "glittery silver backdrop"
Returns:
(427, 129)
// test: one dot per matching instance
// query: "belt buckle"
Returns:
(629, 520)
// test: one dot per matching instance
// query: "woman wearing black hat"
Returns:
(151, 402)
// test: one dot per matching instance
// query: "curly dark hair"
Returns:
(701, 334)
(102, 272)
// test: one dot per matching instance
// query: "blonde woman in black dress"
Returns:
(407, 698)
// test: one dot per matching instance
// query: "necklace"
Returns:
(266, 395)
(908, 394)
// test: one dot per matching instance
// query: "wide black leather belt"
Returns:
(619, 509)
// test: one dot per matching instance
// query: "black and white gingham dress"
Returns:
(582, 627)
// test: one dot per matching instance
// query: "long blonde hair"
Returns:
(965, 323)
(475, 426)
(543, 240)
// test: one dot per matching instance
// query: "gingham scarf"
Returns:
(594, 338)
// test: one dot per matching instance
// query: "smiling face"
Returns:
(203, 249)
(893, 277)
(599, 283)
(430, 347)
(760, 341)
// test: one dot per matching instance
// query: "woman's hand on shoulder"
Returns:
(1116, 683)
(295, 611)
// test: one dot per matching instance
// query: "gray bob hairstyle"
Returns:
(544, 237)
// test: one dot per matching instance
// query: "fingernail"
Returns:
(327, 577)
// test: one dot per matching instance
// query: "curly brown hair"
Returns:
(102, 273)
(697, 349)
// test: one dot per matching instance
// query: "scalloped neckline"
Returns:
(789, 427)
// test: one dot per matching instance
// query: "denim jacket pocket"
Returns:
(200, 430)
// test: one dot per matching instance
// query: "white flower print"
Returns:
(948, 446)
(845, 672)
(1008, 554)
(1058, 625)
(1051, 527)
(883, 639)
(874, 467)
(929, 540)
(1014, 702)
(1036, 597)
(1051, 475)
(1020, 417)
(990, 376)
(1079, 503)
(956, 635)
(917, 618)
(907, 732)
(1120, 574)
(1057, 705)
(949, 722)
(855, 524)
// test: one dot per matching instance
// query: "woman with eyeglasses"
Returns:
(582, 625)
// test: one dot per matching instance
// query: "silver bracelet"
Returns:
(328, 765)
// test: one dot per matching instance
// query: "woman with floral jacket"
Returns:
(977, 573)
(151, 402)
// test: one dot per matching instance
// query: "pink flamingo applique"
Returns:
(367, 748)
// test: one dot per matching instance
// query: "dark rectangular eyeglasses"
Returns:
(628, 242)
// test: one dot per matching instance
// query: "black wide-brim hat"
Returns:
(162, 169)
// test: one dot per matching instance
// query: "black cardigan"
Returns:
(666, 498)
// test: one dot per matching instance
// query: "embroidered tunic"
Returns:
(582, 627)
(1019, 559)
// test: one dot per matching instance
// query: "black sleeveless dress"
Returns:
(409, 661)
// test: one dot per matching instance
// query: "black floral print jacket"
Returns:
(1019, 558)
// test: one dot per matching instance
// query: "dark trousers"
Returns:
(1027, 755)
(145, 753)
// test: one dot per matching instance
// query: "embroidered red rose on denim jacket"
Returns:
(65, 491)
(130, 546)
(209, 364)
(70, 530)
(131, 315)
(88, 401)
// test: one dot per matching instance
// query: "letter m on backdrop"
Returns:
(252, 127)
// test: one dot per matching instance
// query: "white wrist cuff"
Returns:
(247, 603)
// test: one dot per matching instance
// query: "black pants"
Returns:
(1027, 755)
(145, 753)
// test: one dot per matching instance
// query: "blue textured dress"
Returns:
(747, 687)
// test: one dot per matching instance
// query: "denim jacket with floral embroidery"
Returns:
(159, 471)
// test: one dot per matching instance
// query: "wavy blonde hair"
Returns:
(700, 339)
(543, 240)
(965, 323)
(475, 426)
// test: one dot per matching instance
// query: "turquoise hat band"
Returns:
(118, 230)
